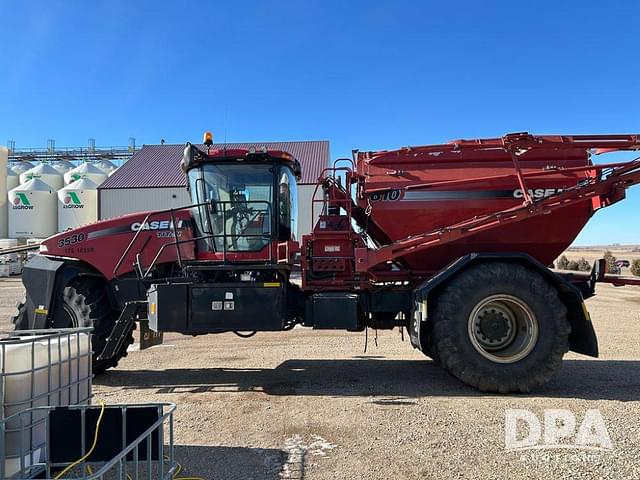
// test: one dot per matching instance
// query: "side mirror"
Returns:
(190, 157)
(297, 170)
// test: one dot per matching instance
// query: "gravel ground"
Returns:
(305, 404)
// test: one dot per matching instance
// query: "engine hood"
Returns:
(103, 244)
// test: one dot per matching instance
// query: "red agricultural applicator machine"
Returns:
(449, 241)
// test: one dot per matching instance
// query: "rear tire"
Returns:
(427, 341)
(500, 327)
(85, 304)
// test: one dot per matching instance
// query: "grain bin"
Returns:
(86, 170)
(4, 161)
(33, 210)
(44, 172)
(62, 166)
(106, 165)
(13, 179)
(77, 204)
(21, 167)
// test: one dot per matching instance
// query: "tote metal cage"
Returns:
(40, 368)
(97, 442)
(62, 357)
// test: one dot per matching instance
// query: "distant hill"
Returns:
(617, 247)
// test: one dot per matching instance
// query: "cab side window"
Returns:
(287, 205)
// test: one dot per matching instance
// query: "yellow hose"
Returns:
(93, 447)
(179, 469)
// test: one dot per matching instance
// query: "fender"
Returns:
(44, 280)
(582, 338)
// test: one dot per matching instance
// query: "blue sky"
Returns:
(365, 75)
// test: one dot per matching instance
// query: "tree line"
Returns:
(583, 265)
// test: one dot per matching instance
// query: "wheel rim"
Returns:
(503, 329)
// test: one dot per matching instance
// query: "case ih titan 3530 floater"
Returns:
(450, 241)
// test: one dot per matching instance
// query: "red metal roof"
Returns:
(159, 165)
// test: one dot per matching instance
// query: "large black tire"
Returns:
(463, 317)
(85, 304)
(427, 341)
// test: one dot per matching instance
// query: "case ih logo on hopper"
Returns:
(21, 202)
(537, 192)
(440, 195)
(71, 200)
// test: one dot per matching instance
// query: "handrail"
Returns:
(176, 242)
(140, 230)
(344, 159)
(326, 177)
(196, 239)
(542, 173)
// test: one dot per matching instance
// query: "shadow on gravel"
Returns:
(586, 379)
(230, 463)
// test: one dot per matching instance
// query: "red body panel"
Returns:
(102, 244)
(329, 253)
(466, 184)
(268, 253)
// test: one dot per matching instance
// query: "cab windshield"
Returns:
(238, 214)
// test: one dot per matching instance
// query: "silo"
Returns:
(62, 166)
(86, 170)
(106, 165)
(21, 167)
(77, 204)
(33, 210)
(4, 161)
(44, 172)
(13, 179)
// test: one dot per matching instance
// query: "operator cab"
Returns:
(245, 200)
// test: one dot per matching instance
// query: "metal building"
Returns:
(152, 179)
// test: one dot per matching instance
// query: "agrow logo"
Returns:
(72, 200)
(21, 202)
